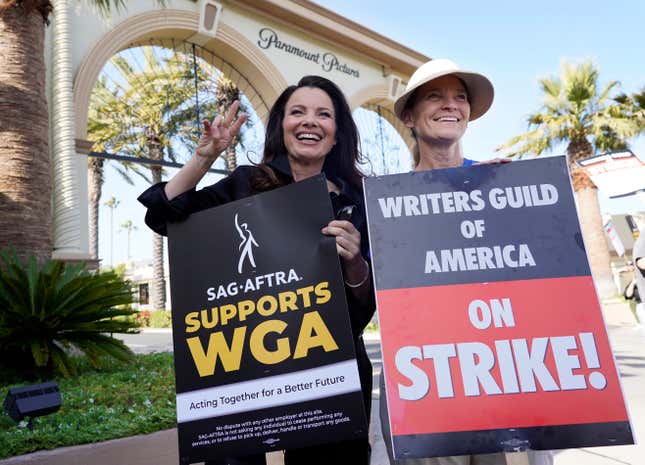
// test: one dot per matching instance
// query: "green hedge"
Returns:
(160, 319)
(49, 310)
(154, 318)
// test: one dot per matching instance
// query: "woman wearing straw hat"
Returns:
(439, 101)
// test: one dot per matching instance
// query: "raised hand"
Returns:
(219, 133)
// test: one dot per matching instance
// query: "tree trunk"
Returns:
(129, 235)
(595, 241)
(590, 217)
(158, 278)
(25, 176)
(229, 155)
(95, 184)
(158, 294)
(227, 93)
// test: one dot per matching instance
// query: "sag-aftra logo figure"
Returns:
(246, 246)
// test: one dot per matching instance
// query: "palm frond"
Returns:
(575, 109)
(47, 309)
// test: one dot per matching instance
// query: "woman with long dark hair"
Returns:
(310, 130)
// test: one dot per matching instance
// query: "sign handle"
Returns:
(517, 458)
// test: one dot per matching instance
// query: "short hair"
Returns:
(409, 103)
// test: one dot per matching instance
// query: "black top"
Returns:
(238, 185)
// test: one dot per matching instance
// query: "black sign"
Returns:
(489, 318)
(476, 229)
(264, 356)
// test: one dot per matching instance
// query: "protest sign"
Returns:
(264, 355)
(616, 174)
(492, 334)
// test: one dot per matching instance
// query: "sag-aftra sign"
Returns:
(264, 355)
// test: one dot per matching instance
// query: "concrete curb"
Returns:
(157, 330)
(158, 448)
(133, 450)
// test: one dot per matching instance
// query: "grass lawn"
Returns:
(118, 401)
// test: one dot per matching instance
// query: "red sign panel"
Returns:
(519, 341)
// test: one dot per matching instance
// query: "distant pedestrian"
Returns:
(638, 253)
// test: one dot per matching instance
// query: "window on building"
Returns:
(143, 294)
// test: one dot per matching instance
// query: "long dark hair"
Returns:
(342, 159)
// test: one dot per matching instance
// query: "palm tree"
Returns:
(578, 113)
(227, 92)
(112, 203)
(635, 103)
(25, 177)
(94, 185)
(139, 114)
(105, 120)
(129, 226)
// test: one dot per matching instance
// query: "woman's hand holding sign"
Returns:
(348, 244)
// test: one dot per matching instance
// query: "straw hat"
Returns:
(480, 89)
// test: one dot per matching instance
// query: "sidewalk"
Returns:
(628, 342)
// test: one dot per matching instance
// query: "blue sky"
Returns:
(512, 42)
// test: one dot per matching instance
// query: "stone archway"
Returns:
(379, 100)
(80, 43)
(230, 45)
(383, 96)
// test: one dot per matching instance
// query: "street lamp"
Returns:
(32, 401)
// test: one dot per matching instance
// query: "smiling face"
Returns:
(440, 111)
(309, 127)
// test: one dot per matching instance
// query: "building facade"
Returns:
(268, 43)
